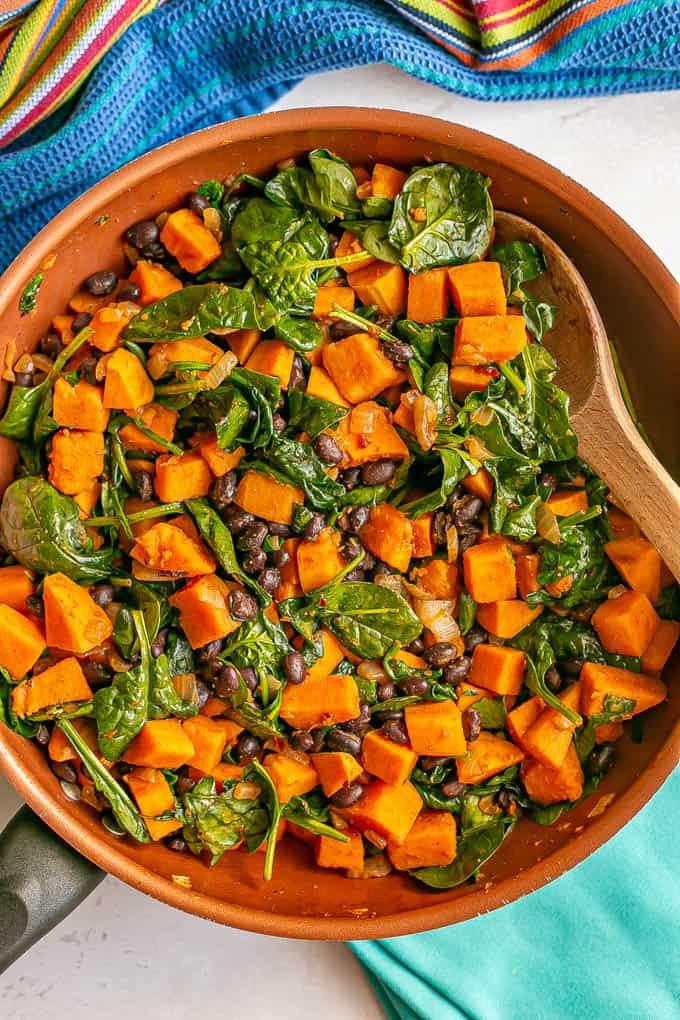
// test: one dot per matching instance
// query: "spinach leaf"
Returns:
(29, 295)
(547, 406)
(436, 386)
(218, 822)
(228, 410)
(515, 499)
(200, 309)
(467, 612)
(520, 261)
(475, 847)
(373, 234)
(258, 643)
(492, 713)
(42, 529)
(432, 797)
(539, 657)
(614, 709)
(258, 722)
(367, 495)
(122, 806)
(454, 466)
(122, 708)
(164, 700)
(547, 814)
(300, 466)
(458, 217)
(269, 798)
(426, 339)
(581, 554)
(313, 414)
(329, 187)
(539, 317)
(226, 268)
(263, 392)
(217, 535)
(376, 208)
(179, 654)
(301, 335)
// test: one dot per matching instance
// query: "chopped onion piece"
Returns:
(371, 669)
(24, 363)
(374, 867)
(484, 415)
(247, 791)
(42, 362)
(546, 524)
(117, 664)
(131, 254)
(394, 582)
(162, 219)
(220, 370)
(437, 616)
(299, 756)
(452, 544)
(338, 821)
(213, 221)
(416, 590)
(425, 420)
(362, 419)
(157, 366)
(617, 591)
(142, 573)
(476, 448)
(186, 687)
(375, 839)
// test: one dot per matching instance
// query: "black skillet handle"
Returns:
(42, 879)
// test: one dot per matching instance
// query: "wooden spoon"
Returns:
(608, 439)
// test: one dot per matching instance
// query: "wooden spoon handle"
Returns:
(640, 485)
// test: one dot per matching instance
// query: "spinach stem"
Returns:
(119, 457)
(580, 517)
(513, 378)
(140, 515)
(341, 260)
(150, 434)
(365, 324)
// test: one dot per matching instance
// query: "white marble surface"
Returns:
(123, 955)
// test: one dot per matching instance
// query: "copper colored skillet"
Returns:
(41, 877)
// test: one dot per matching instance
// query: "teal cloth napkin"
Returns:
(600, 943)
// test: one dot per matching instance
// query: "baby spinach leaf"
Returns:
(367, 495)
(539, 317)
(475, 847)
(454, 466)
(492, 713)
(258, 643)
(200, 309)
(614, 709)
(373, 234)
(457, 221)
(581, 554)
(122, 806)
(301, 335)
(539, 657)
(263, 392)
(122, 708)
(164, 700)
(313, 414)
(228, 410)
(515, 500)
(179, 654)
(520, 261)
(428, 339)
(314, 818)
(269, 800)
(329, 187)
(467, 612)
(226, 268)
(547, 406)
(218, 822)
(300, 466)
(376, 208)
(29, 295)
(547, 814)
(217, 535)
(43, 530)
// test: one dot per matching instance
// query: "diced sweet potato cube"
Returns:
(154, 282)
(386, 759)
(480, 484)
(329, 295)
(79, 406)
(383, 442)
(321, 385)
(349, 244)
(439, 578)
(621, 524)
(487, 756)
(423, 543)
(193, 350)
(358, 366)
(489, 338)
(126, 384)
(266, 497)
(467, 379)
(598, 681)
(550, 786)
(469, 693)
(243, 342)
(332, 654)
(489, 572)
(209, 737)
(387, 181)
(76, 460)
(638, 563)
(319, 560)
(181, 476)
(160, 744)
(60, 747)
(430, 843)
(161, 420)
(335, 769)
(388, 534)
(153, 796)
(477, 288)
(62, 326)
(331, 853)
(220, 462)
(272, 357)
(625, 625)
(549, 738)
(292, 778)
(167, 547)
(73, 620)
(16, 584)
(608, 733)
(188, 239)
(320, 701)
(523, 717)
(568, 501)
(506, 618)
(658, 651)
(204, 610)
(108, 323)
(428, 296)
(435, 728)
(384, 285)
(290, 579)
(498, 668)
(528, 566)
(388, 810)
(61, 684)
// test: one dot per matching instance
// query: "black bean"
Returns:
(347, 795)
(295, 667)
(252, 537)
(361, 722)
(319, 740)
(103, 594)
(388, 714)
(23, 378)
(601, 760)
(468, 508)
(203, 691)
(301, 740)
(254, 562)
(341, 330)
(339, 740)
(129, 291)
(143, 233)
(297, 374)
(176, 844)
(429, 763)
(351, 477)
(475, 636)
(34, 604)
(43, 735)
(469, 537)
(227, 681)
(505, 799)
(316, 525)
(553, 679)
(250, 677)
(453, 788)
(382, 568)
(280, 557)
(358, 517)
(472, 724)
(416, 647)
(457, 671)
(209, 651)
(242, 605)
(96, 673)
(154, 251)
(248, 747)
(414, 685)
(572, 667)
(237, 519)
(64, 770)
(386, 691)
(453, 498)
(583, 613)
(184, 784)
(378, 473)
(222, 490)
(81, 320)
(282, 530)
(440, 654)
(102, 283)
(397, 351)
(327, 449)
(197, 203)
(70, 790)
(441, 521)
(88, 370)
(357, 574)
(158, 643)
(269, 579)
(144, 484)
(279, 422)
(351, 548)
(112, 825)
(123, 769)
(394, 730)
(50, 345)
